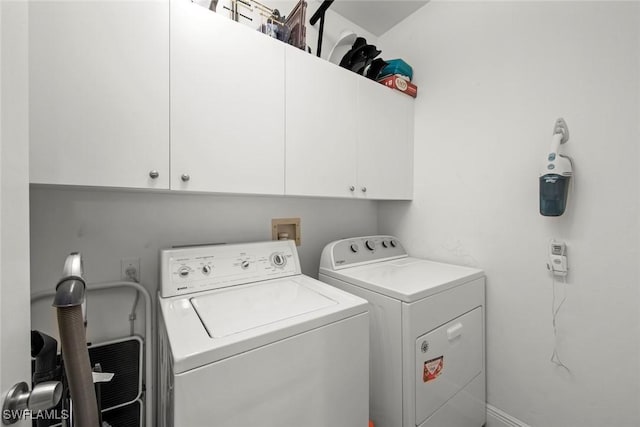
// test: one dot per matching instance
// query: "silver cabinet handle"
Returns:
(185, 177)
(154, 174)
(352, 188)
(364, 189)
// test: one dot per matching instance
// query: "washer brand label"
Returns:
(432, 369)
(340, 261)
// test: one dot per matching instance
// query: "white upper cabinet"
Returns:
(347, 136)
(227, 105)
(99, 93)
(166, 94)
(321, 127)
(385, 142)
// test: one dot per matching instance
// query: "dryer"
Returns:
(245, 339)
(427, 332)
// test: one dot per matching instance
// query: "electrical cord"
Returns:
(132, 315)
(555, 357)
(132, 274)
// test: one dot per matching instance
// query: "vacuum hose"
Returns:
(69, 301)
(77, 366)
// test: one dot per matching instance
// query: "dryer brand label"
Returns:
(432, 369)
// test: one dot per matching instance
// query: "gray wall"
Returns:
(107, 226)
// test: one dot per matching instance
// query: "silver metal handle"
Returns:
(364, 189)
(154, 174)
(43, 396)
(185, 177)
(352, 188)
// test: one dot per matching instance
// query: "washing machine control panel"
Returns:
(348, 252)
(201, 268)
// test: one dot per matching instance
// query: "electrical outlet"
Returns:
(130, 269)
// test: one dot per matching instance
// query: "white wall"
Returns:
(14, 202)
(107, 226)
(493, 77)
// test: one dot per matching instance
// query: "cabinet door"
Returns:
(227, 105)
(99, 93)
(385, 142)
(321, 127)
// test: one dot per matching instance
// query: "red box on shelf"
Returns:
(398, 83)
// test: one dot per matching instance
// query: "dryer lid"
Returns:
(407, 279)
(243, 308)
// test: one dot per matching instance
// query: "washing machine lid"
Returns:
(243, 308)
(406, 279)
(206, 327)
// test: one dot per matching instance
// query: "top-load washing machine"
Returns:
(246, 340)
(427, 332)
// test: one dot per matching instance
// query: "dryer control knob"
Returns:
(370, 244)
(385, 244)
(354, 248)
(392, 243)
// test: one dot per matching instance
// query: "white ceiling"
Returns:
(375, 16)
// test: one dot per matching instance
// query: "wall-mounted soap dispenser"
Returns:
(556, 174)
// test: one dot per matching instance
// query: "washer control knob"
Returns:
(183, 271)
(370, 244)
(278, 260)
(245, 264)
(206, 269)
(385, 244)
(185, 177)
(392, 243)
(354, 248)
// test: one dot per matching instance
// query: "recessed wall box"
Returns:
(286, 229)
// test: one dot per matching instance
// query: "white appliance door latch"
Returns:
(454, 331)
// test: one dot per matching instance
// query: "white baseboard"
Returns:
(498, 418)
